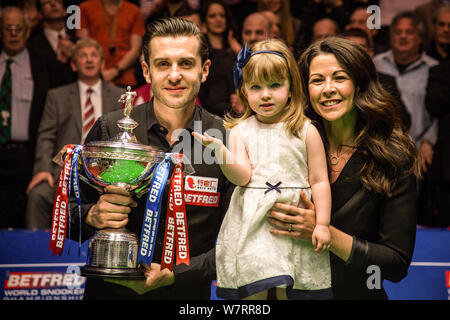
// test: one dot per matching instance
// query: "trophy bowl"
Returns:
(128, 165)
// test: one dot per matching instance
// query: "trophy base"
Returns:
(112, 273)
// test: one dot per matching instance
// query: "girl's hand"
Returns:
(208, 141)
(300, 221)
(321, 238)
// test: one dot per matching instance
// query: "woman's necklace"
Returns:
(335, 159)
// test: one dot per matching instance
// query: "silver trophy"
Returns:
(124, 162)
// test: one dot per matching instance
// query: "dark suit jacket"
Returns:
(17, 166)
(437, 104)
(61, 122)
(61, 73)
(41, 77)
(383, 228)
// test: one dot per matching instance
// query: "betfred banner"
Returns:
(28, 271)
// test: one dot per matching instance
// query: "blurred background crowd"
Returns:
(64, 63)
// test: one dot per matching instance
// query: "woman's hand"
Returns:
(292, 221)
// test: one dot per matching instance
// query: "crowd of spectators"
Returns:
(409, 48)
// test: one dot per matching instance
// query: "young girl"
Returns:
(274, 154)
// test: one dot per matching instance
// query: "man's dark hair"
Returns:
(416, 21)
(173, 27)
(358, 33)
(39, 6)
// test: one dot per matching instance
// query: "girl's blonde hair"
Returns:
(268, 67)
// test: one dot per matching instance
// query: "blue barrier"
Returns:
(28, 271)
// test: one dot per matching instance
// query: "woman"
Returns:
(289, 25)
(215, 92)
(373, 166)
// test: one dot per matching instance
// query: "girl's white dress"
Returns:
(250, 259)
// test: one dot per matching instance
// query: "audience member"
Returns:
(275, 25)
(69, 113)
(23, 86)
(216, 90)
(438, 191)
(53, 42)
(241, 9)
(319, 30)
(192, 15)
(32, 15)
(324, 28)
(256, 27)
(168, 8)
(319, 9)
(407, 62)
(118, 26)
(388, 82)
(439, 45)
(358, 19)
(148, 7)
(289, 25)
(425, 12)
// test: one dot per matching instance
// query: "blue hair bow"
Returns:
(244, 55)
(242, 59)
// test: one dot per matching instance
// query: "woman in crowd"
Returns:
(215, 92)
(373, 165)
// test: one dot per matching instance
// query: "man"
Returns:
(64, 121)
(324, 28)
(256, 27)
(388, 82)
(23, 86)
(358, 19)
(175, 64)
(53, 42)
(410, 66)
(118, 26)
(439, 46)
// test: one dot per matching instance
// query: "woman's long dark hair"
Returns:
(381, 137)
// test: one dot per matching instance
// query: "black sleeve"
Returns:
(392, 253)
